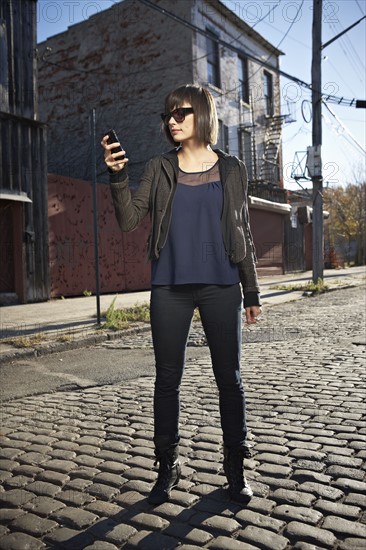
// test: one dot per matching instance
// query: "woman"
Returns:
(201, 249)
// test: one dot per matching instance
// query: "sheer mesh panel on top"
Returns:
(209, 175)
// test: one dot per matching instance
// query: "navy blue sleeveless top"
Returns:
(194, 251)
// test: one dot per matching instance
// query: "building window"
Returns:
(223, 138)
(268, 93)
(243, 73)
(213, 60)
(246, 151)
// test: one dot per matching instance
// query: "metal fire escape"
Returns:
(272, 142)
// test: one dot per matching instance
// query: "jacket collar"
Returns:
(226, 162)
(173, 154)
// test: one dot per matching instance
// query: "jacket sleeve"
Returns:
(131, 208)
(247, 267)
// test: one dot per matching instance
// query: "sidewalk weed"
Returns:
(196, 315)
(117, 319)
(309, 287)
(65, 338)
(26, 341)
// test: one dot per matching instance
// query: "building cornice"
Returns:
(249, 31)
(269, 206)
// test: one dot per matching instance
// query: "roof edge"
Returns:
(247, 28)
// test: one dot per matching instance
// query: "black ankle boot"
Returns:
(239, 488)
(168, 475)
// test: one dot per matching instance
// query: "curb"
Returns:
(55, 347)
(311, 294)
(91, 340)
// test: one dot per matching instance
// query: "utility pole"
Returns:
(314, 160)
(316, 164)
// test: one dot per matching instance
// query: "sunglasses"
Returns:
(178, 114)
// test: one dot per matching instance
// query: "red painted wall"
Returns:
(267, 229)
(122, 256)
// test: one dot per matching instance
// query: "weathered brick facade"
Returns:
(123, 62)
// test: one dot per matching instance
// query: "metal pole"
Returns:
(95, 210)
(253, 141)
(316, 98)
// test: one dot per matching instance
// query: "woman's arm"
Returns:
(130, 209)
(247, 268)
(249, 282)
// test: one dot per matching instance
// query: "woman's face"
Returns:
(183, 131)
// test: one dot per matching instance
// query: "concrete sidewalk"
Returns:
(29, 329)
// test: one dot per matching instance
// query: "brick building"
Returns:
(125, 60)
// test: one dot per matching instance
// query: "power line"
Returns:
(350, 146)
(346, 46)
(272, 27)
(347, 132)
(361, 10)
(301, 130)
(264, 17)
(329, 97)
(240, 52)
(276, 47)
(340, 75)
(267, 14)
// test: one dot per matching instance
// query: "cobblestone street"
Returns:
(76, 466)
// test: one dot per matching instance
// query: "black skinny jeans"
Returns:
(171, 311)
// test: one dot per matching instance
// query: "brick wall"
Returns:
(122, 256)
(122, 62)
(230, 110)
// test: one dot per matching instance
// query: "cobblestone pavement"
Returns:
(76, 467)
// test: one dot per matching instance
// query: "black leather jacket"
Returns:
(155, 194)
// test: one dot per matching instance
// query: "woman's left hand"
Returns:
(252, 314)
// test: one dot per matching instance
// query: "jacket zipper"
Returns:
(162, 217)
(224, 212)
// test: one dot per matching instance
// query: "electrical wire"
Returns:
(340, 76)
(337, 27)
(329, 97)
(272, 27)
(357, 2)
(267, 14)
(301, 130)
(345, 130)
(264, 17)
(349, 150)
(346, 46)
(271, 54)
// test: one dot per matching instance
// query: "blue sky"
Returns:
(287, 24)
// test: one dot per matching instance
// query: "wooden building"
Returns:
(23, 160)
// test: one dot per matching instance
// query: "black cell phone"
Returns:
(113, 138)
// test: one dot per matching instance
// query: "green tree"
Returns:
(346, 227)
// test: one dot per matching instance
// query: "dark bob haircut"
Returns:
(204, 111)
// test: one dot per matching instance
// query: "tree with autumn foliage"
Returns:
(345, 230)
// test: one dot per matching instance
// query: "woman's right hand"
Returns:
(114, 161)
